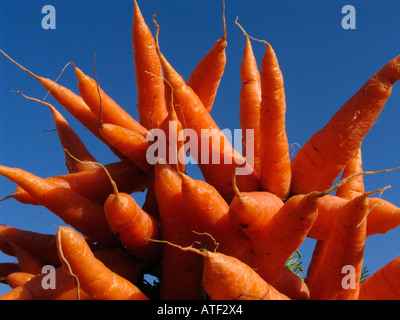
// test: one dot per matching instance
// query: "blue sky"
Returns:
(323, 65)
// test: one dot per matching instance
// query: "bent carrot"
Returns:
(181, 273)
(207, 75)
(383, 284)
(345, 249)
(318, 163)
(83, 214)
(98, 100)
(150, 90)
(93, 184)
(93, 276)
(275, 167)
(250, 100)
(220, 159)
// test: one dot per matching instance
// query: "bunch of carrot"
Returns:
(227, 236)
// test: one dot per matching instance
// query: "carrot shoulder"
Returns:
(318, 163)
(93, 276)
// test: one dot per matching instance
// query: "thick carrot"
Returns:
(69, 140)
(150, 90)
(207, 75)
(40, 245)
(133, 226)
(83, 214)
(318, 163)
(211, 213)
(103, 106)
(286, 231)
(275, 168)
(130, 143)
(181, 274)
(219, 159)
(354, 187)
(250, 212)
(94, 184)
(384, 284)
(383, 216)
(345, 250)
(69, 100)
(250, 101)
(92, 275)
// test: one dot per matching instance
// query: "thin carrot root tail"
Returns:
(210, 236)
(190, 248)
(7, 197)
(59, 76)
(62, 257)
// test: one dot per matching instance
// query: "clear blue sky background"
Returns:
(322, 64)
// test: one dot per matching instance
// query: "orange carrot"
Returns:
(18, 293)
(72, 102)
(382, 217)
(274, 148)
(92, 275)
(69, 140)
(181, 274)
(219, 159)
(40, 245)
(250, 100)
(98, 100)
(354, 187)
(228, 278)
(130, 143)
(250, 212)
(206, 76)
(17, 279)
(345, 250)
(26, 260)
(318, 163)
(211, 213)
(383, 284)
(133, 226)
(93, 184)
(83, 214)
(286, 231)
(150, 90)
(318, 255)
